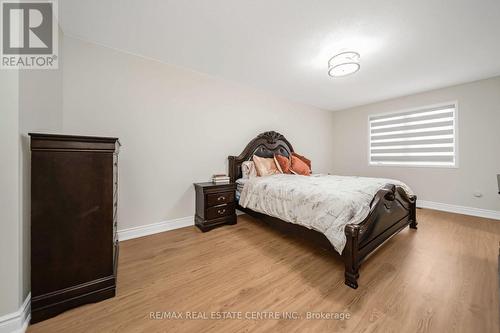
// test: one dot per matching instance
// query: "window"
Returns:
(422, 137)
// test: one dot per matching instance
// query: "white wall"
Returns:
(176, 126)
(40, 110)
(30, 100)
(478, 140)
(10, 233)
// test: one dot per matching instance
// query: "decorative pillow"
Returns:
(299, 167)
(282, 163)
(265, 166)
(303, 159)
(248, 170)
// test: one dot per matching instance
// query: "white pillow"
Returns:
(248, 170)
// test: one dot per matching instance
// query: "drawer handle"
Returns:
(221, 198)
(221, 211)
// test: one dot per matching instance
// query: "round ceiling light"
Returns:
(344, 64)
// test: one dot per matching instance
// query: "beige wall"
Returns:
(478, 145)
(10, 233)
(176, 126)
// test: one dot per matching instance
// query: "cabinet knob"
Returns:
(221, 198)
(221, 211)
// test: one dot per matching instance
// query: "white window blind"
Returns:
(424, 137)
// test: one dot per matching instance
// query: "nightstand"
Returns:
(215, 205)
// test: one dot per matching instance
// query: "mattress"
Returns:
(240, 183)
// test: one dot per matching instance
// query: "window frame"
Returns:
(413, 109)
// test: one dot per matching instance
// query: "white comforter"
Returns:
(324, 203)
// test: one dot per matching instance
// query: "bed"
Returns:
(391, 209)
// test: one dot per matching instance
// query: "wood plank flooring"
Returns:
(441, 278)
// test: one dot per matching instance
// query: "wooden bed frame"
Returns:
(391, 210)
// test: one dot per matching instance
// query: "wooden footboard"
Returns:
(390, 211)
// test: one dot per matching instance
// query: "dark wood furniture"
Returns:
(74, 245)
(391, 210)
(215, 205)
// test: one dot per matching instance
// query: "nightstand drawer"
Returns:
(220, 211)
(215, 199)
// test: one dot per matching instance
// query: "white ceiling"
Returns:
(283, 46)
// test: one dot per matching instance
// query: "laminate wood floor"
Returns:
(441, 278)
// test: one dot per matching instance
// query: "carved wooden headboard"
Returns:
(264, 145)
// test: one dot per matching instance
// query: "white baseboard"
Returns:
(17, 322)
(490, 214)
(187, 221)
(150, 229)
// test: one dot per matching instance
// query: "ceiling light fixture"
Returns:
(344, 64)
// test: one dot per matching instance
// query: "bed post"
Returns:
(232, 168)
(413, 212)
(351, 256)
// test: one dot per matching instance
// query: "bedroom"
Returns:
(186, 87)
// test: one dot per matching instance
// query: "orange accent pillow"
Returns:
(283, 163)
(303, 159)
(265, 166)
(299, 167)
